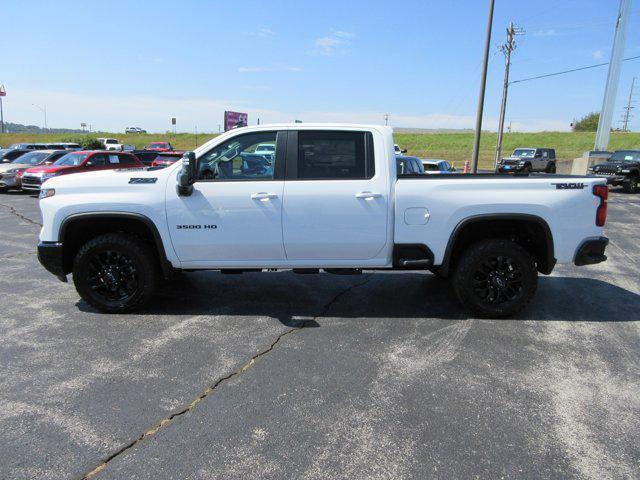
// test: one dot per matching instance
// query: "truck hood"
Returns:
(5, 167)
(107, 180)
(48, 168)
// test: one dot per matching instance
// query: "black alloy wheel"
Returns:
(495, 278)
(113, 276)
(116, 272)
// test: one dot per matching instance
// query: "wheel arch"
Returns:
(77, 229)
(538, 239)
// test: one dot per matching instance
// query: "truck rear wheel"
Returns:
(116, 272)
(495, 278)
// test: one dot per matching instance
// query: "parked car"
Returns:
(70, 146)
(408, 165)
(267, 150)
(8, 155)
(159, 146)
(396, 149)
(114, 144)
(134, 130)
(622, 168)
(78, 162)
(529, 160)
(28, 146)
(11, 173)
(145, 156)
(432, 166)
(164, 159)
(337, 206)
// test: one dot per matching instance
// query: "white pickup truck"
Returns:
(330, 199)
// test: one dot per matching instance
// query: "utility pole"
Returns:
(43, 110)
(3, 93)
(483, 84)
(506, 48)
(628, 108)
(386, 119)
(613, 77)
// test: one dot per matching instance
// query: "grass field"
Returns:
(455, 147)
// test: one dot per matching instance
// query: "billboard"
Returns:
(235, 119)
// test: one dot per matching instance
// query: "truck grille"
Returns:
(31, 182)
(607, 170)
(510, 162)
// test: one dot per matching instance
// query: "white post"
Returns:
(615, 65)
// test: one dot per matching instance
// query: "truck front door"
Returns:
(336, 203)
(234, 214)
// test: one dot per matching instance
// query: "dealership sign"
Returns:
(235, 119)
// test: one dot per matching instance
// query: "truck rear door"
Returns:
(335, 202)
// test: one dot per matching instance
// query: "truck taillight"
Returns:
(602, 192)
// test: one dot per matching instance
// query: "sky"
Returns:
(138, 63)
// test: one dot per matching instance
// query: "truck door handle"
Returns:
(368, 195)
(262, 196)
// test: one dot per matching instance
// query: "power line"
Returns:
(570, 71)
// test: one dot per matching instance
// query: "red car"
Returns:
(159, 147)
(78, 162)
(166, 158)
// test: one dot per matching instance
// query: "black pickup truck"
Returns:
(622, 168)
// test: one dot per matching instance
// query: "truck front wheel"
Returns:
(495, 278)
(116, 272)
(631, 185)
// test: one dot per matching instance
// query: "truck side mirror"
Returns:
(188, 174)
(403, 151)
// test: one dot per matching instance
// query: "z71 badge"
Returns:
(569, 186)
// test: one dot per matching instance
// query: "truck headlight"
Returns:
(46, 193)
(13, 170)
(48, 175)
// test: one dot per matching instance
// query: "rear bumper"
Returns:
(51, 258)
(591, 251)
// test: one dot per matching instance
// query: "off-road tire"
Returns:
(631, 185)
(473, 264)
(139, 255)
(551, 167)
(527, 169)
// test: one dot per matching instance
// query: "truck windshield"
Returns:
(524, 152)
(71, 159)
(625, 156)
(110, 140)
(31, 158)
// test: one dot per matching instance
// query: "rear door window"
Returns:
(328, 155)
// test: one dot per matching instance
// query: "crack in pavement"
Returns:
(13, 211)
(211, 388)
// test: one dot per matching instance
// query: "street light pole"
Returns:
(613, 77)
(483, 83)
(43, 110)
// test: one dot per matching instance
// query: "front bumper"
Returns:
(31, 183)
(591, 252)
(8, 180)
(612, 178)
(509, 168)
(51, 258)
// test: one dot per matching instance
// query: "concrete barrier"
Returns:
(577, 166)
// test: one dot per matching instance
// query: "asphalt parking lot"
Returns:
(279, 375)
